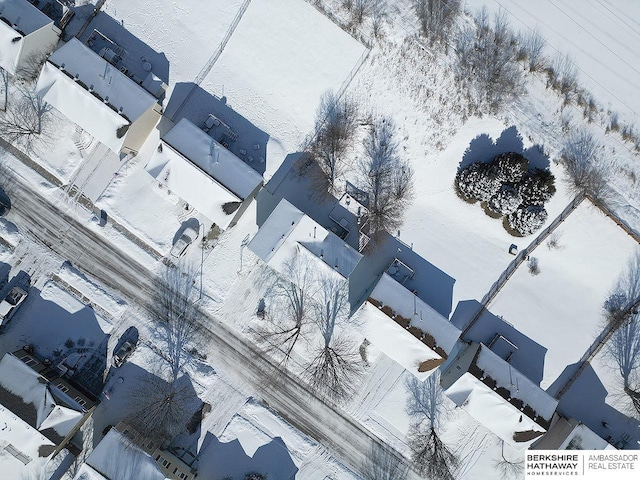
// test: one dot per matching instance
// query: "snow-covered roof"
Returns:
(117, 459)
(10, 51)
(520, 386)
(494, 412)
(498, 396)
(21, 446)
(34, 390)
(213, 158)
(397, 343)
(74, 100)
(288, 231)
(26, 18)
(409, 306)
(191, 184)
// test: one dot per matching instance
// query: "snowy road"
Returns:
(91, 253)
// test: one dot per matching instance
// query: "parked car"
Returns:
(10, 303)
(5, 203)
(186, 239)
(124, 352)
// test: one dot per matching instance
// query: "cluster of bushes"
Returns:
(508, 188)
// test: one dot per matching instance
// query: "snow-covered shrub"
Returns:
(527, 220)
(536, 187)
(478, 182)
(506, 201)
(510, 167)
(534, 266)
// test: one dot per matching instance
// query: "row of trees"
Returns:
(311, 306)
(383, 176)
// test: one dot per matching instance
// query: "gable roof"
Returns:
(116, 458)
(25, 16)
(73, 99)
(500, 397)
(213, 159)
(190, 183)
(37, 403)
(288, 230)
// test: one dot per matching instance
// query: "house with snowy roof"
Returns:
(123, 454)
(497, 395)
(98, 97)
(39, 416)
(571, 434)
(204, 174)
(404, 327)
(25, 34)
(288, 232)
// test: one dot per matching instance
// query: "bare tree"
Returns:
(426, 409)
(532, 43)
(384, 464)
(177, 314)
(487, 62)
(385, 178)
(160, 409)
(4, 84)
(587, 171)
(437, 19)
(335, 363)
(623, 347)
(564, 75)
(290, 312)
(508, 467)
(336, 123)
(26, 122)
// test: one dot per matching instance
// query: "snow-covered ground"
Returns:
(275, 84)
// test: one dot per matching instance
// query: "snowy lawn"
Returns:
(561, 307)
(281, 58)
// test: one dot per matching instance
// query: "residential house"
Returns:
(288, 232)
(124, 454)
(25, 34)
(404, 327)
(497, 395)
(204, 174)
(98, 97)
(571, 434)
(40, 416)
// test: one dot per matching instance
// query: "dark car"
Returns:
(5, 203)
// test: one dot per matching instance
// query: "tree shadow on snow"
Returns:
(229, 459)
(585, 401)
(483, 149)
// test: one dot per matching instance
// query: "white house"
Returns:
(498, 396)
(25, 33)
(121, 456)
(288, 231)
(38, 417)
(406, 329)
(94, 94)
(203, 173)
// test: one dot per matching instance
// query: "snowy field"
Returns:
(600, 36)
(561, 307)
